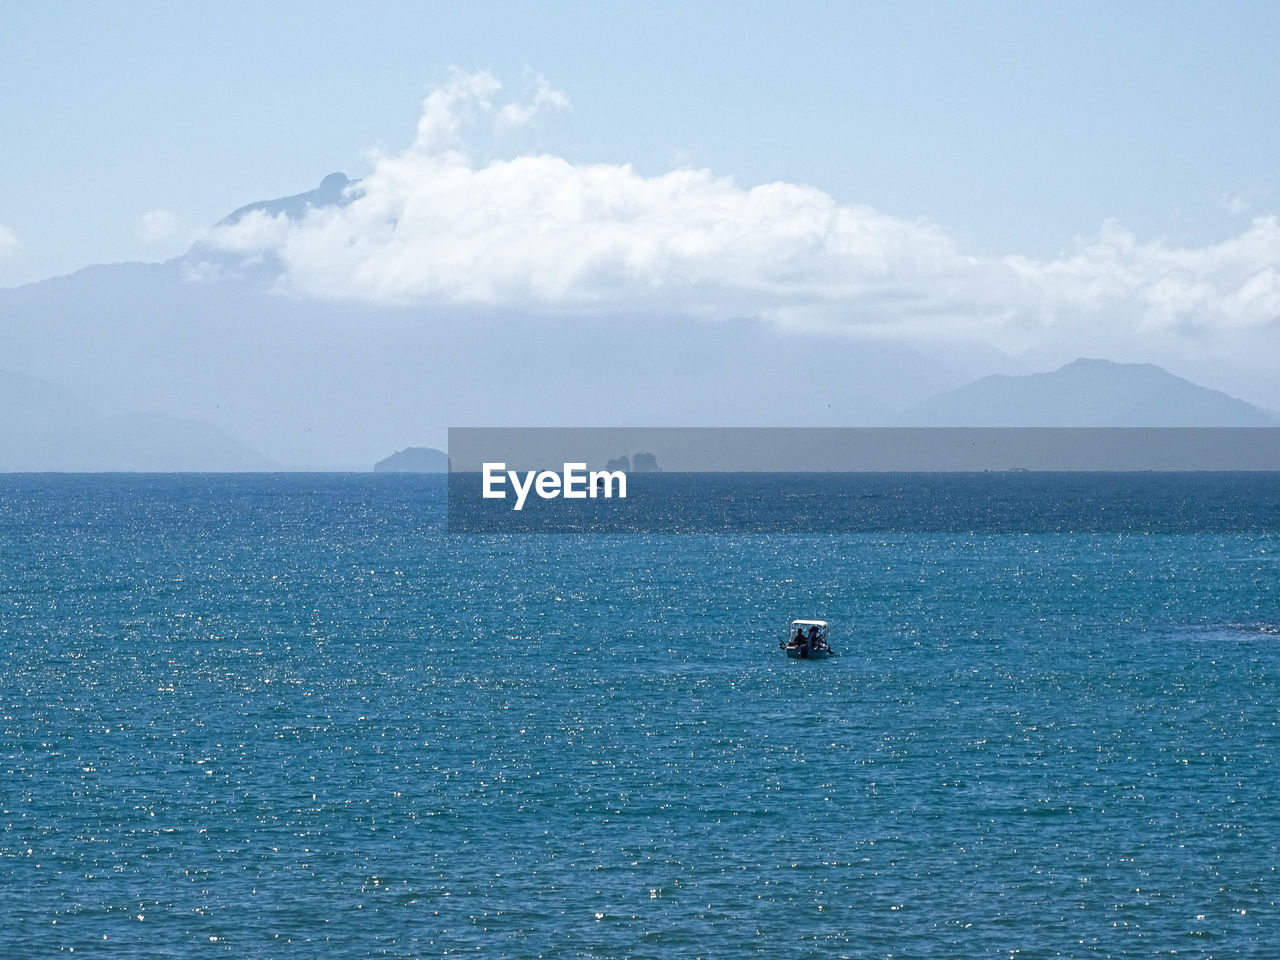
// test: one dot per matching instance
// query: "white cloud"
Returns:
(1235, 204)
(429, 224)
(546, 100)
(449, 108)
(254, 234)
(160, 227)
(10, 242)
(1155, 286)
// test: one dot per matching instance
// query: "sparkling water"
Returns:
(261, 716)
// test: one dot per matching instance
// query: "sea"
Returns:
(295, 716)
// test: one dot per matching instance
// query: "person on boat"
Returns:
(815, 638)
(798, 639)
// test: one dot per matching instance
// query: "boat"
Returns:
(807, 640)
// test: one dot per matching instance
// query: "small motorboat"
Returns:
(807, 640)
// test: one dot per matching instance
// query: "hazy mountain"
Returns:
(414, 460)
(44, 427)
(214, 344)
(1087, 393)
(37, 406)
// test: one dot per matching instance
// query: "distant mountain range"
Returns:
(328, 385)
(1087, 393)
(336, 385)
(43, 427)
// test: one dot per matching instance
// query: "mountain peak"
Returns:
(1097, 365)
(1087, 392)
(333, 183)
(330, 193)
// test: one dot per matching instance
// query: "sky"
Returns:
(1015, 182)
(1015, 129)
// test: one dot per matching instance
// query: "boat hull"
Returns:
(799, 653)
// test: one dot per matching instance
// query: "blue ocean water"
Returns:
(261, 716)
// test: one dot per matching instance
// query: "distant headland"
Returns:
(414, 460)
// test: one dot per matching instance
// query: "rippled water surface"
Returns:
(289, 716)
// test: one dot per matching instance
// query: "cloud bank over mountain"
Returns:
(431, 224)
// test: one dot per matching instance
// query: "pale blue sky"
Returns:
(1015, 127)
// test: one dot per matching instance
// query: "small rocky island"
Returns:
(414, 460)
(639, 463)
